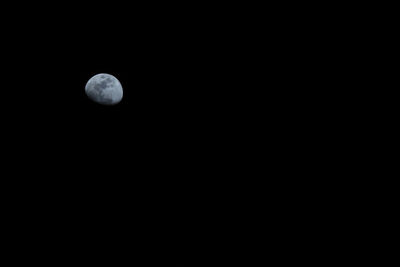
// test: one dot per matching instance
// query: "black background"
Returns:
(213, 133)
(156, 170)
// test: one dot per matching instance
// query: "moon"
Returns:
(104, 89)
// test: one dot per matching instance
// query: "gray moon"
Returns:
(104, 89)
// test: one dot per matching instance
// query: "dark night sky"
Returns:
(218, 109)
(156, 161)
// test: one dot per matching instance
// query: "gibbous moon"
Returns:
(104, 89)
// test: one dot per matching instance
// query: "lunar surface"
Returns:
(104, 89)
